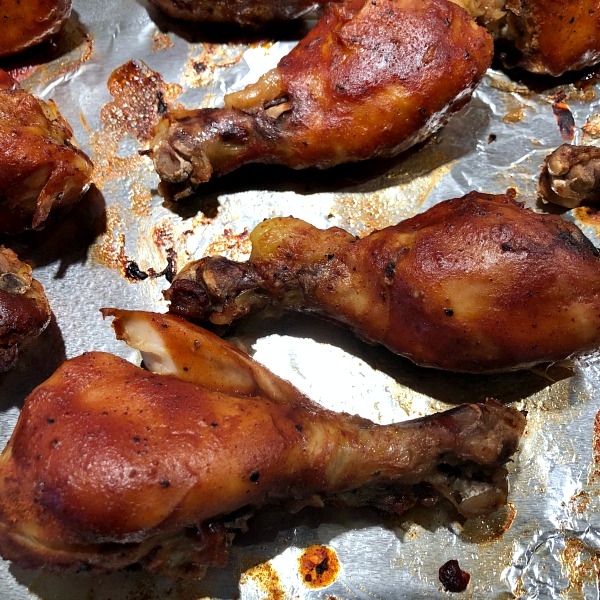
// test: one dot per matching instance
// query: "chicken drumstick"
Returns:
(24, 309)
(370, 79)
(41, 168)
(111, 465)
(475, 284)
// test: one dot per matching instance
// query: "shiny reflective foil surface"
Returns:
(108, 72)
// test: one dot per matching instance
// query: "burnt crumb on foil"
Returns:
(133, 271)
(453, 578)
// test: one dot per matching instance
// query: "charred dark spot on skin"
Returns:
(506, 247)
(453, 578)
(213, 424)
(254, 476)
(165, 483)
(298, 427)
(390, 269)
(50, 420)
(449, 312)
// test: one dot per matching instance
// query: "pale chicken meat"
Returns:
(369, 80)
(24, 308)
(474, 284)
(26, 23)
(41, 169)
(111, 465)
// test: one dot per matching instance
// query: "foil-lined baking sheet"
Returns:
(108, 71)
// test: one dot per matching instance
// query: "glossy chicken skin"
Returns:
(473, 284)
(26, 23)
(549, 36)
(370, 79)
(24, 309)
(111, 465)
(41, 169)
(243, 12)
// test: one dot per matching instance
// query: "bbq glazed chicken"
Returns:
(474, 284)
(110, 465)
(544, 36)
(24, 309)
(243, 12)
(370, 79)
(571, 176)
(41, 169)
(26, 23)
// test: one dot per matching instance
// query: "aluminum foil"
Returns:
(545, 544)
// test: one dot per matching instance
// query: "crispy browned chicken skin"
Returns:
(477, 284)
(243, 12)
(549, 36)
(26, 23)
(371, 79)
(24, 309)
(111, 465)
(41, 169)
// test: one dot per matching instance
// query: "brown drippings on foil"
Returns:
(235, 246)
(200, 68)
(581, 565)
(591, 128)
(588, 216)
(515, 111)
(595, 467)
(265, 576)
(110, 248)
(140, 99)
(579, 502)
(319, 566)
(161, 41)
(489, 528)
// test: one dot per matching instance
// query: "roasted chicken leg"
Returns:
(475, 284)
(111, 465)
(24, 309)
(542, 36)
(26, 23)
(571, 176)
(243, 12)
(371, 79)
(547, 36)
(41, 169)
